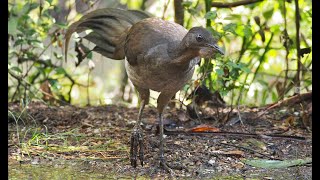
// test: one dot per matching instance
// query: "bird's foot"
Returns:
(164, 165)
(136, 146)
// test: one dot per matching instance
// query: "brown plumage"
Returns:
(160, 55)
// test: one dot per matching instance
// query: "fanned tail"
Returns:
(109, 30)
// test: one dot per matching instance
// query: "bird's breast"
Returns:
(159, 78)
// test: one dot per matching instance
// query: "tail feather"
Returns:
(109, 29)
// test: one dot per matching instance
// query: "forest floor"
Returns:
(68, 142)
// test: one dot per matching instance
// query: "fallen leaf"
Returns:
(230, 153)
(270, 164)
(257, 143)
(204, 128)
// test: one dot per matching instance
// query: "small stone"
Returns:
(211, 162)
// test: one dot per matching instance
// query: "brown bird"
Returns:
(160, 56)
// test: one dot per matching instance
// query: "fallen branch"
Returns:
(233, 4)
(292, 100)
(237, 134)
(249, 149)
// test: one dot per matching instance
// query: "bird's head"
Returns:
(201, 40)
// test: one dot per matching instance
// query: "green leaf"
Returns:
(247, 31)
(274, 96)
(12, 26)
(16, 68)
(89, 56)
(60, 70)
(244, 67)
(54, 84)
(214, 33)
(230, 28)
(37, 44)
(58, 56)
(186, 4)
(186, 87)
(232, 64)
(192, 11)
(62, 25)
(268, 14)
(28, 7)
(211, 15)
(19, 42)
(219, 72)
(271, 164)
(33, 6)
(234, 17)
(49, 1)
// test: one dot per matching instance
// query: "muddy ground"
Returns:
(67, 142)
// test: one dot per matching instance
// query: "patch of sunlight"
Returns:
(45, 57)
(259, 43)
(134, 101)
(157, 8)
(253, 88)
(261, 51)
(240, 10)
(277, 18)
(34, 15)
(273, 53)
(266, 66)
(73, 15)
(98, 83)
(107, 99)
(75, 93)
(278, 59)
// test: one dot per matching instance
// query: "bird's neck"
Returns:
(180, 53)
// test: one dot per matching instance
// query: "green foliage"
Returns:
(257, 40)
(211, 15)
(259, 47)
(35, 43)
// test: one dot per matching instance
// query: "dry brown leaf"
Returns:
(229, 153)
(204, 128)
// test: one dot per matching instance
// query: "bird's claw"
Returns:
(136, 147)
(165, 166)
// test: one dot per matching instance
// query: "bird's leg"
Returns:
(136, 145)
(137, 140)
(163, 162)
(162, 102)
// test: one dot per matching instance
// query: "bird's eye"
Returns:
(199, 38)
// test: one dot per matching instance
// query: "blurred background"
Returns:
(268, 47)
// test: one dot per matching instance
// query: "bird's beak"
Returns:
(216, 47)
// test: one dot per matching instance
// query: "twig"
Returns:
(292, 100)
(249, 149)
(233, 4)
(26, 85)
(88, 96)
(287, 49)
(237, 134)
(297, 90)
(37, 57)
(165, 8)
(238, 110)
(262, 58)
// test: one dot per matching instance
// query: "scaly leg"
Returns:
(162, 102)
(136, 145)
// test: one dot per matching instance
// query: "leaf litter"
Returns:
(96, 140)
